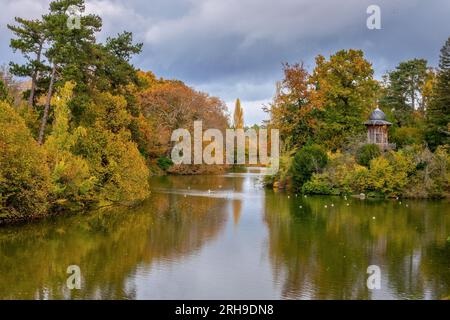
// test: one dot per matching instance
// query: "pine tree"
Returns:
(438, 113)
(70, 51)
(238, 119)
(404, 89)
(30, 40)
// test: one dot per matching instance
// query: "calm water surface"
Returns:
(225, 237)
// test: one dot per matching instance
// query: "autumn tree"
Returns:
(72, 182)
(24, 175)
(343, 93)
(168, 105)
(438, 112)
(238, 116)
(4, 96)
(291, 111)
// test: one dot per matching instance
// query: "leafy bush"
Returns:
(24, 175)
(342, 175)
(116, 164)
(281, 178)
(389, 175)
(411, 172)
(309, 160)
(319, 184)
(404, 136)
(366, 153)
(431, 175)
(164, 163)
(72, 182)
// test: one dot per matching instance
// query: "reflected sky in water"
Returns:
(226, 237)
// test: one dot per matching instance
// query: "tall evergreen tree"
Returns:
(70, 49)
(438, 113)
(404, 89)
(238, 118)
(30, 38)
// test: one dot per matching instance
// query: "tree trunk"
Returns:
(34, 77)
(47, 106)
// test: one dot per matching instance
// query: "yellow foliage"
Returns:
(72, 182)
(24, 176)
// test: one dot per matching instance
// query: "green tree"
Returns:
(74, 55)
(117, 54)
(438, 112)
(70, 49)
(366, 153)
(344, 93)
(404, 90)
(71, 179)
(30, 40)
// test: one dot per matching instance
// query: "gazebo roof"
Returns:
(377, 118)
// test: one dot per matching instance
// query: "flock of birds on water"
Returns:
(361, 196)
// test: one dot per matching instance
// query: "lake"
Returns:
(226, 237)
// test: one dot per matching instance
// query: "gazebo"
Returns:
(377, 130)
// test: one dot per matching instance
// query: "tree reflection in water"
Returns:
(226, 237)
(109, 246)
(323, 253)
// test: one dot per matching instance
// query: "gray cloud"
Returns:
(234, 48)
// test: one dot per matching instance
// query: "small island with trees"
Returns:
(338, 141)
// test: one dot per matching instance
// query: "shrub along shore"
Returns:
(86, 129)
(321, 117)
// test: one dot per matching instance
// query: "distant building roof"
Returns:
(377, 118)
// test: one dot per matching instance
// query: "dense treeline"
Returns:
(88, 128)
(320, 117)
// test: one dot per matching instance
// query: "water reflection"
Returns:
(320, 247)
(110, 246)
(225, 237)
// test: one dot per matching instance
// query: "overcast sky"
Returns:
(234, 48)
